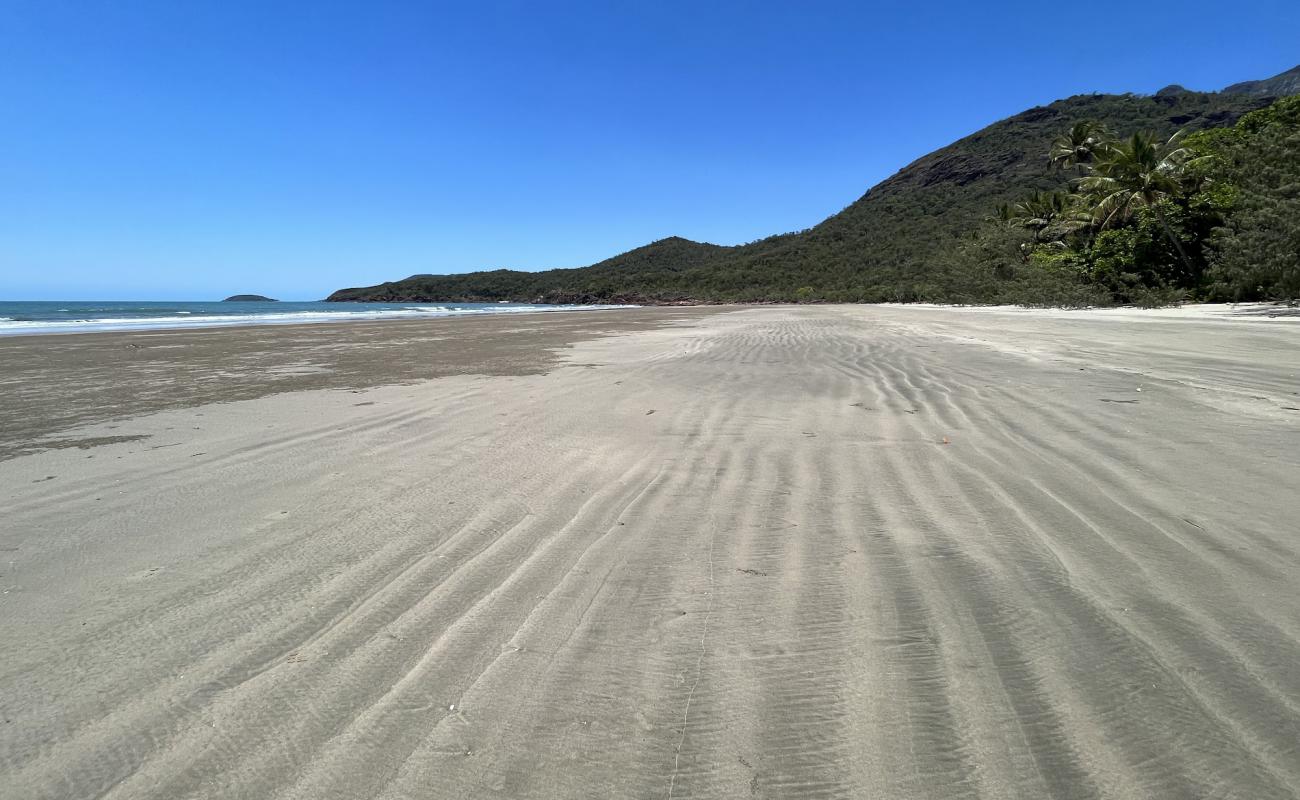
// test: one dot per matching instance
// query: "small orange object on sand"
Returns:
(945, 440)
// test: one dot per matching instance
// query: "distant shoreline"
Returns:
(1256, 311)
(45, 318)
(125, 373)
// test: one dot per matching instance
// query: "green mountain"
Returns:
(885, 246)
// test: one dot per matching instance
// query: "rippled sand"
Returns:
(775, 552)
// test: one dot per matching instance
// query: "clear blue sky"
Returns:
(188, 150)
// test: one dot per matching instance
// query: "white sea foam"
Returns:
(187, 319)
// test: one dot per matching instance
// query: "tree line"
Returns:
(1212, 215)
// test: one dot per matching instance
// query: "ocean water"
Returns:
(51, 316)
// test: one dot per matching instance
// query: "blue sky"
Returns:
(163, 150)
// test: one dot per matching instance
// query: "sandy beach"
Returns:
(775, 552)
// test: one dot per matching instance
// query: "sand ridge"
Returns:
(853, 552)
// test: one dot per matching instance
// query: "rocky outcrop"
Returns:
(1284, 85)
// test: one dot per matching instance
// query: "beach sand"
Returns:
(712, 553)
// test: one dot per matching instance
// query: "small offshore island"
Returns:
(249, 298)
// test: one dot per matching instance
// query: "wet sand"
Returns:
(773, 552)
(53, 383)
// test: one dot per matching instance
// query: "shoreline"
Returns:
(1251, 311)
(186, 322)
(112, 374)
(105, 375)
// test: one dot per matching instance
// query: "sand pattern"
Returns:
(854, 552)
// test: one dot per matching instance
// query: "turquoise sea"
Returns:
(65, 316)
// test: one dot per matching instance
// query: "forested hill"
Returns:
(888, 245)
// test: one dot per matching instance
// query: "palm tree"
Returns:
(1085, 141)
(1044, 213)
(1141, 172)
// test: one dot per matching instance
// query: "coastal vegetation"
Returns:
(1211, 215)
(1092, 200)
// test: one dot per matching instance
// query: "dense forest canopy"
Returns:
(1140, 218)
(965, 223)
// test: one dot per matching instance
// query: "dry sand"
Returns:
(775, 552)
